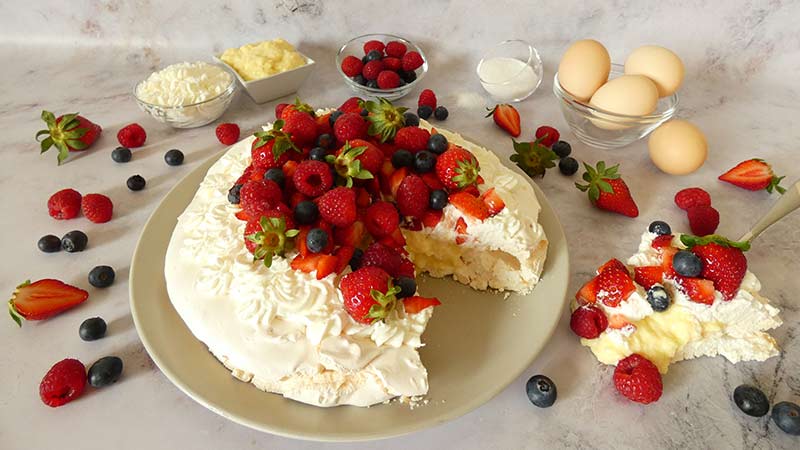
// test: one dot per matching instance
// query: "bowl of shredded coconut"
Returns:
(187, 94)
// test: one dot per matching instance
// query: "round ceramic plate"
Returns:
(477, 343)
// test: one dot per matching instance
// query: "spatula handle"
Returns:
(788, 202)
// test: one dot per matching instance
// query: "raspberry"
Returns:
(132, 136)
(64, 204)
(381, 219)
(97, 208)
(312, 178)
(396, 49)
(588, 322)
(372, 69)
(412, 196)
(279, 109)
(350, 126)
(412, 139)
(412, 61)
(257, 197)
(351, 66)
(549, 134)
(388, 79)
(338, 207)
(351, 105)
(427, 98)
(690, 197)
(391, 63)
(373, 45)
(228, 133)
(638, 379)
(703, 220)
(64, 382)
(388, 259)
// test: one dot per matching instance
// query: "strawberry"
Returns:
(413, 139)
(394, 240)
(297, 106)
(381, 219)
(415, 304)
(432, 218)
(667, 255)
(384, 118)
(659, 242)
(279, 109)
(338, 206)
(427, 98)
(270, 147)
(588, 321)
(607, 190)
(412, 196)
(754, 175)
(507, 118)
(724, 262)
(612, 263)
(43, 299)
(68, 133)
(352, 105)
(351, 160)
(97, 208)
(614, 285)
(343, 256)
(697, 289)
(461, 231)
(588, 292)
(469, 205)
(324, 126)
(326, 265)
(703, 220)
(431, 180)
(493, 202)
(547, 135)
(457, 168)
(368, 294)
(690, 197)
(301, 127)
(648, 276)
(394, 180)
(227, 133)
(533, 158)
(638, 379)
(350, 126)
(312, 178)
(64, 204)
(323, 264)
(617, 321)
(266, 236)
(352, 65)
(396, 49)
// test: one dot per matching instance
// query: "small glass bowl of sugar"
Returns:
(510, 71)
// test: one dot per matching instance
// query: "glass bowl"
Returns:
(355, 47)
(189, 116)
(604, 129)
(510, 71)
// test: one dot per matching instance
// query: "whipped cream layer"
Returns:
(504, 252)
(735, 329)
(280, 329)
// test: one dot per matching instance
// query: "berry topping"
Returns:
(533, 158)
(407, 285)
(690, 197)
(301, 128)
(427, 98)
(438, 199)
(277, 176)
(541, 391)
(396, 49)
(227, 133)
(234, 194)
(703, 220)
(92, 329)
(350, 126)
(351, 105)
(121, 154)
(413, 139)
(786, 416)
(614, 284)
(312, 178)
(697, 289)
(388, 259)
(388, 79)
(754, 175)
(457, 168)
(568, 166)
(648, 276)
(494, 203)
(687, 264)
(588, 321)
(173, 157)
(384, 118)
(352, 66)
(424, 161)
(269, 148)
(348, 163)
(74, 241)
(402, 158)
(64, 382)
(132, 136)
(372, 69)
(68, 133)
(660, 228)
(469, 205)
(638, 379)
(412, 196)
(43, 299)
(437, 144)
(412, 61)
(562, 149)
(49, 243)
(136, 183)
(368, 294)
(257, 197)
(306, 212)
(547, 135)
(751, 400)
(724, 262)
(373, 45)
(394, 65)
(507, 118)
(381, 219)
(607, 190)
(101, 276)
(64, 204)
(440, 113)
(97, 208)
(105, 371)
(410, 119)
(266, 237)
(415, 304)
(659, 298)
(424, 112)
(316, 240)
(338, 206)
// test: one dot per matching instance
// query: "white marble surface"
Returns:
(742, 59)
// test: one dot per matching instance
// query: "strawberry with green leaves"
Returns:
(43, 299)
(269, 148)
(457, 168)
(533, 158)
(369, 294)
(507, 118)
(724, 262)
(754, 175)
(68, 133)
(357, 159)
(607, 190)
(266, 237)
(384, 119)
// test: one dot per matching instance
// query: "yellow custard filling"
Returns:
(262, 59)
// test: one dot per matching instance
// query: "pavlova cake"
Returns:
(295, 263)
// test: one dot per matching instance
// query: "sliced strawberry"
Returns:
(613, 263)
(43, 299)
(326, 265)
(667, 254)
(461, 230)
(406, 268)
(305, 264)
(614, 286)
(587, 292)
(289, 168)
(661, 241)
(300, 241)
(493, 202)
(415, 304)
(648, 276)
(431, 218)
(697, 289)
(470, 205)
(343, 256)
(395, 240)
(363, 199)
(352, 235)
(617, 321)
(432, 181)
(241, 215)
(507, 118)
(395, 179)
(753, 175)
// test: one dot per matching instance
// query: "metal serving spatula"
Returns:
(788, 202)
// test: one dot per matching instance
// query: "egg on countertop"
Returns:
(659, 64)
(678, 147)
(584, 68)
(632, 95)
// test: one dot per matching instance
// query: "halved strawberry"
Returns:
(493, 202)
(469, 205)
(587, 292)
(661, 241)
(617, 321)
(507, 118)
(667, 255)
(343, 256)
(754, 175)
(352, 235)
(393, 183)
(697, 289)
(648, 276)
(326, 265)
(305, 264)
(461, 230)
(43, 299)
(415, 304)
(612, 263)
(614, 285)
(431, 218)
(241, 215)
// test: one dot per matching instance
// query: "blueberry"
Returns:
(437, 143)
(101, 276)
(410, 119)
(687, 264)
(786, 416)
(334, 115)
(364, 59)
(660, 228)
(568, 166)
(364, 112)
(355, 260)
(74, 241)
(659, 298)
(121, 154)
(49, 244)
(233, 194)
(409, 76)
(424, 112)
(373, 84)
(424, 161)
(407, 285)
(374, 55)
(751, 400)
(360, 79)
(317, 154)
(92, 329)
(306, 212)
(105, 371)
(174, 157)
(316, 240)
(441, 113)
(402, 158)
(325, 140)
(562, 149)
(541, 391)
(136, 183)
(438, 199)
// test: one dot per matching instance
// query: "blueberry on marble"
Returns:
(562, 149)
(424, 112)
(786, 416)
(407, 285)
(541, 391)
(49, 243)
(437, 143)
(438, 199)
(276, 175)
(233, 194)
(660, 228)
(441, 113)
(306, 212)
(174, 157)
(105, 371)
(92, 329)
(136, 183)
(751, 400)
(687, 264)
(121, 154)
(101, 276)
(424, 161)
(74, 241)
(568, 166)
(410, 119)
(659, 298)
(402, 158)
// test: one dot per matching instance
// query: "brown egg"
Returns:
(631, 95)
(584, 68)
(660, 65)
(677, 147)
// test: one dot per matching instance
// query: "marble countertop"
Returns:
(740, 89)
